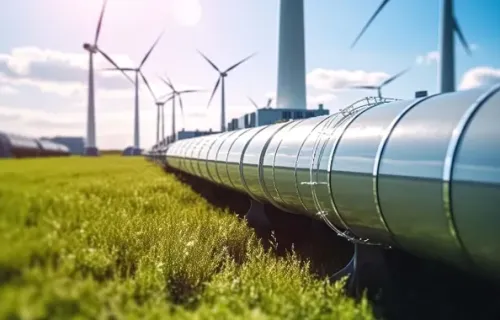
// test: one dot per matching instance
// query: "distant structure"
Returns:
(18, 146)
(132, 151)
(268, 116)
(76, 145)
(221, 80)
(291, 91)
(172, 96)
(421, 94)
(383, 84)
(91, 147)
(185, 134)
(448, 26)
(137, 72)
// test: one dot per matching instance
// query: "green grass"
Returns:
(114, 238)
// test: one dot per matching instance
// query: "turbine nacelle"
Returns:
(90, 48)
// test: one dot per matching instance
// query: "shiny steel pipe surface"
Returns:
(422, 175)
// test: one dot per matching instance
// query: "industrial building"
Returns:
(185, 134)
(260, 117)
(266, 116)
(76, 145)
(19, 146)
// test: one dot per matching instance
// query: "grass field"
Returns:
(113, 238)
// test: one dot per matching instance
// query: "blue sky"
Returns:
(43, 66)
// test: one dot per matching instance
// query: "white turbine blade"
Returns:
(118, 69)
(99, 23)
(363, 87)
(461, 36)
(213, 92)
(209, 61)
(188, 91)
(253, 102)
(170, 98)
(107, 57)
(168, 83)
(182, 107)
(379, 9)
(394, 77)
(237, 64)
(147, 85)
(151, 49)
(269, 102)
(165, 96)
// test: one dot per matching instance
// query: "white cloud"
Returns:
(114, 129)
(324, 79)
(58, 72)
(428, 58)
(479, 76)
(8, 90)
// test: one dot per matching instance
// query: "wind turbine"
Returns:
(448, 25)
(257, 109)
(90, 143)
(138, 72)
(221, 80)
(383, 84)
(160, 118)
(175, 94)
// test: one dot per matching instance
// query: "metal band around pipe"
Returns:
(205, 143)
(297, 161)
(192, 157)
(295, 123)
(217, 154)
(330, 162)
(261, 168)
(320, 156)
(378, 158)
(208, 152)
(227, 156)
(182, 162)
(242, 175)
(449, 163)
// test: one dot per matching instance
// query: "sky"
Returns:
(44, 69)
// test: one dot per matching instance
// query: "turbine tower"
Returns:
(159, 115)
(221, 80)
(160, 121)
(90, 143)
(447, 26)
(138, 72)
(175, 94)
(291, 91)
(383, 84)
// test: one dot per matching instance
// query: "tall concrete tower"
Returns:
(291, 56)
(446, 63)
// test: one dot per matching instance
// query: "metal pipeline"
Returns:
(422, 175)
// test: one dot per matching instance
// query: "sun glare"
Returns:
(187, 12)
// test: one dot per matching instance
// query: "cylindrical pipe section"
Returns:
(422, 175)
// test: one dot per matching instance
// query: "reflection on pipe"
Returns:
(422, 175)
